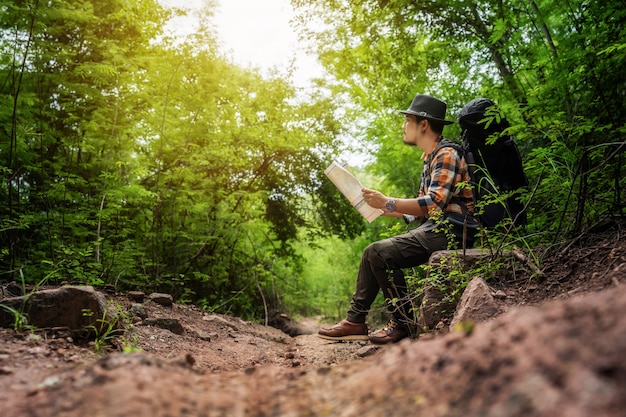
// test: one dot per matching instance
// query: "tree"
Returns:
(135, 159)
(70, 60)
(550, 67)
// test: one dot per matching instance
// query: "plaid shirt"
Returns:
(440, 188)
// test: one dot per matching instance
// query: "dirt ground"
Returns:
(557, 349)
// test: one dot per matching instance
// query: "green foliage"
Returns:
(326, 282)
(134, 159)
(129, 344)
(450, 277)
(20, 319)
(104, 331)
(555, 70)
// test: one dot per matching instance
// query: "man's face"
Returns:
(409, 130)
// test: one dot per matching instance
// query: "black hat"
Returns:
(428, 107)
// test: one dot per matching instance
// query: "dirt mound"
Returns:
(547, 361)
(558, 350)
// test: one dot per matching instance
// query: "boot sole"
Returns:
(345, 338)
(385, 341)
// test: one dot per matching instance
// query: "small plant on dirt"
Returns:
(105, 330)
(114, 332)
(127, 341)
(452, 275)
(20, 319)
(129, 344)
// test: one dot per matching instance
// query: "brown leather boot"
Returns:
(345, 330)
(393, 332)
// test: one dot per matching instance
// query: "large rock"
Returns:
(74, 307)
(436, 303)
(446, 258)
(476, 304)
(435, 306)
(163, 299)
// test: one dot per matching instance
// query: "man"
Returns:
(441, 195)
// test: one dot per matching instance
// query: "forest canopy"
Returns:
(133, 159)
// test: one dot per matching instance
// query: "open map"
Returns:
(351, 187)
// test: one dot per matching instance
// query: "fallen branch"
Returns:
(523, 258)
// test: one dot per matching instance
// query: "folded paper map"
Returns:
(351, 188)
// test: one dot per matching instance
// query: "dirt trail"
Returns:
(558, 350)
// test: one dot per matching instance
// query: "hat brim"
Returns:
(445, 122)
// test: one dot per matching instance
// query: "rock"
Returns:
(10, 289)
(186, 361)
(162, 299)
(433, 308)
(366, 351)
(138, 310)
(471, 256)
(110, 289)
(74, 307)
(217, 319)
(288, 325)
(137, 296)
(435, 305)
(476, 305)
(173, 325)
(499, 294)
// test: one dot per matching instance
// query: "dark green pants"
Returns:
(381, 269)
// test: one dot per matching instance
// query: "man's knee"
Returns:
(377, 249)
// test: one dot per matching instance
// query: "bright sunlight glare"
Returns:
(255, 33)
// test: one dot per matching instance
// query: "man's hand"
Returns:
(374, 198)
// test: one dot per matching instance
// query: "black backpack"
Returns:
(495, 167)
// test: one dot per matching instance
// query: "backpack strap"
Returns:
(464, 226)
(468, 156)
(461, 150)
